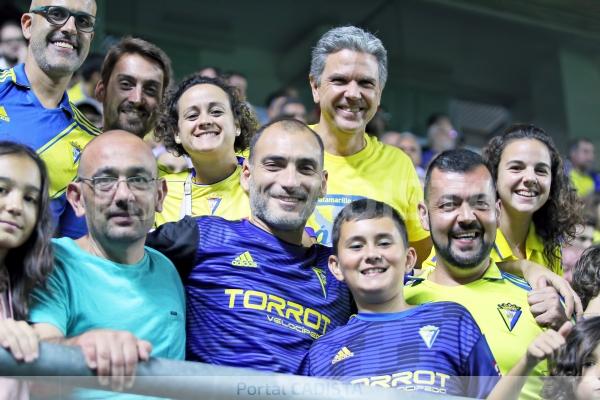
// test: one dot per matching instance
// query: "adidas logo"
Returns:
(3, 115)
(341, 355)
(244, 260)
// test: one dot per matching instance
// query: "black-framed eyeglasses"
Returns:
(57, 15)
(107, 184)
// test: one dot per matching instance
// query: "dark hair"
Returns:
(93, 63)
(586, 275)
(233, 72)
(436, 118)
(556, 221)
(574, 144)
(456, 160)
(29, 264)
(567, 367)
(288, 125)
(283, 92)
(363, 209)
(167, 125)
(131, 45)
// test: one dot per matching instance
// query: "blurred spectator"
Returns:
(13, 47)
(591, 212)
(579, 168)
(441, 136)
(275, 101)
(411, 146)
(571, 252)
(238, 81)
(293, 108)
(89, 75)
(210, 72)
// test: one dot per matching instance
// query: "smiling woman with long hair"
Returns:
(25, 252)
(539, 210)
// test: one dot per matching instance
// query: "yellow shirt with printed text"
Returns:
(498, 303)
(379, 172)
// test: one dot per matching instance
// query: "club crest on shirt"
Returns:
(4, 115)
(510, 314)
(322, 277)
(429, 333)
(76, 152)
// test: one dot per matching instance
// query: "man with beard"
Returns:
(461, 213)
(34, 108)
(134, 76)
(256, 297)
(116, 299)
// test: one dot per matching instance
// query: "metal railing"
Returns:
(65, 365)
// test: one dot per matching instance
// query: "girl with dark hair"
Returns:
(205, 119)
(25, 252)
(539, 211)
(575, 370)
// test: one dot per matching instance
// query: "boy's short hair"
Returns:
(367, 209)
(586, 275)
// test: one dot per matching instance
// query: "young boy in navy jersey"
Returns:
(435, 347)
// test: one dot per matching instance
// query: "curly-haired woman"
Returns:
(206, 120)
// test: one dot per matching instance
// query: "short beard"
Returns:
(446, 253)
(260, 210)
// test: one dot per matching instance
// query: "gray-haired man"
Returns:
(347, 74)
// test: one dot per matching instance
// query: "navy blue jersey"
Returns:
(252, 299)
(436, 347)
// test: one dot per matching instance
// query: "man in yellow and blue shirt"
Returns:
(34, 108)
(461, 214)
(347, 76)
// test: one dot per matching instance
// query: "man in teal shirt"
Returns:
(116, 299)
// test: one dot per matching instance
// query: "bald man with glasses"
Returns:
(109, 294)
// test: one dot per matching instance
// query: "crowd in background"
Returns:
(218, 154)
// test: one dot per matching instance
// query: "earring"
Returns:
(177, 140)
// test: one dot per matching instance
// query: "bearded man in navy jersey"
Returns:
(256, 296)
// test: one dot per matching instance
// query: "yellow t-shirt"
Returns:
(498, 303)
(379, 172)
(583, 183)
(225, 199)
(534, 251)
